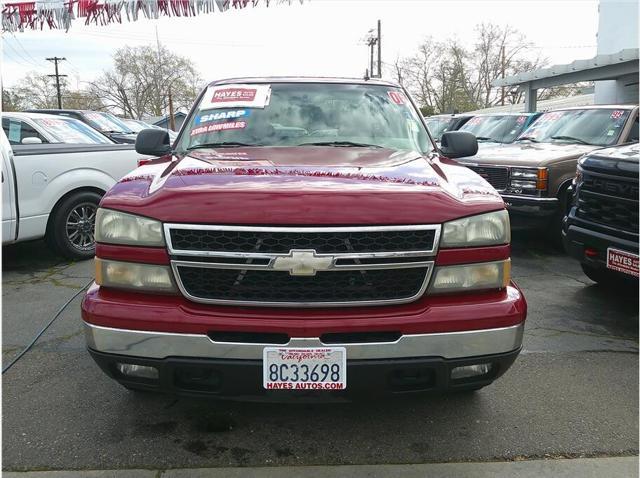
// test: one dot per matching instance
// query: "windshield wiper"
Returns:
(570, 138)
(484, 138)
(528, 138)
(345, 144)
(224, 144)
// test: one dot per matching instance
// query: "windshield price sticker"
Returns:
(304, 368)
(617, 114)
(397, 97)
(622, 261)
(236, 96)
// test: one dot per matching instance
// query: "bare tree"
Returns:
(39, 92)
(446, 76)
(140, 81)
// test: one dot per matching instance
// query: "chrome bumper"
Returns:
(448, 345)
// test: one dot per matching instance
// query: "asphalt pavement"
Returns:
(573, 392)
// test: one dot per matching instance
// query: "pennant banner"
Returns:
(58, 14)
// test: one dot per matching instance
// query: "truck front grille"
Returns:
(496, 176)
(282, 242)
(618, 213)
(609, 201)
(325, 287)
(298, 266)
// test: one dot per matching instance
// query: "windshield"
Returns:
(296, 114)
(67, 130)
(599, 127)
(106, 122)
(437, 126)
(496, 128)
(136, 126)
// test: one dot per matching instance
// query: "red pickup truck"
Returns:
(303, 236)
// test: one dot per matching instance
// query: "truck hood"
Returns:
(527, 154)
(303, 186)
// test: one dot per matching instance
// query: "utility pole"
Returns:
(371, 42)
(379, 49)
(172, 120)
(57, 76)
(502, 61)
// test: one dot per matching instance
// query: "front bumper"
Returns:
(203, 349)
(410, 364)
(577, 238)
(530, 211)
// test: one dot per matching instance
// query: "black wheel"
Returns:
(555, 231)
(72, 226)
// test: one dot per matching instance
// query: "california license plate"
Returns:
(622, 261)
(304, 368)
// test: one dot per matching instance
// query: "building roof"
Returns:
(158, 119)
(544, 105)
(600, 67)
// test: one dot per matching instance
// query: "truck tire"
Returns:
(72, 226)
(564, 197)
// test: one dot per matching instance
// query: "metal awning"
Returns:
(600, 67)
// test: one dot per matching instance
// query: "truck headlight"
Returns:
(528, 180)
(135, 276)
(484, 275)
(115, 227)
(488, 229)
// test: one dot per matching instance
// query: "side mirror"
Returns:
(31, 140)
(153, 142)
(458, 144)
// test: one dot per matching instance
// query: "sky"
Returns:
(315, 38)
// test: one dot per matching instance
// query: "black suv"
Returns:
(601, 229)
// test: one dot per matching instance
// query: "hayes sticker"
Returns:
(622, 261)
(221, 115)
(218, 127)
(236, 96)
(397, 97)
(233, 94)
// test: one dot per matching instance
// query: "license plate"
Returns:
(622, 261)
(304, 368)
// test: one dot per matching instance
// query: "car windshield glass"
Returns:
(597, 126)
(136, 126)
(105, 122)
(437, 126)
(67, 130)
(293, 114)
(498, 128)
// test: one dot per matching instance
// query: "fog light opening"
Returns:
(137, 371)
(469, 371)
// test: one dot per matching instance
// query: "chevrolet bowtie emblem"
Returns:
(302, 262)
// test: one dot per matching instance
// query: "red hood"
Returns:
(303, 185)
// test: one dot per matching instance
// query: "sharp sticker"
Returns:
(221, 115)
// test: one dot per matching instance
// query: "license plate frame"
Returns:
(629, 267)
(295, 364)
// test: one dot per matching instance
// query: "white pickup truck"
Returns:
(53, 190)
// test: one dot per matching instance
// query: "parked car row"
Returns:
(72, 127)
(532, 161)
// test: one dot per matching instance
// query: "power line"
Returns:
(57, 75)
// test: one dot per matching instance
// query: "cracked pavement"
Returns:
(572, 393)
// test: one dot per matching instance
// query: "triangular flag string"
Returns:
(59, 14)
